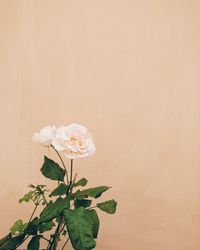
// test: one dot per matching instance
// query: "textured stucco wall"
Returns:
(130, 71)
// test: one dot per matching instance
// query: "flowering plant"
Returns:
(67, 210)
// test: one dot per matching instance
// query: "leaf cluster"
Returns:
(65, 212)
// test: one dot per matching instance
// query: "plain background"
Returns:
(128, 70)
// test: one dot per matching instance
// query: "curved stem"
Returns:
(62, 162)
(28, 223)
(65, 244)
(23, 241)
(33, 213)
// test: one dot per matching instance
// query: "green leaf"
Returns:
(75, 195)
(82, 182)
(92, 192)
(27, 197)
(4, 239)
(45, 226)
(52, 170)
(35, 225)
(94, 220)
(59, 219)
(12, 243)
(18, 226)
(60, 190)
(53, 210)
(82, 203)
(32, 227)
(79, 229)
(108, 206)
(34, 243)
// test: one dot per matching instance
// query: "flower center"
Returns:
(76, 141)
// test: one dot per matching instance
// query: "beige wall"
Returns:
(129, 71)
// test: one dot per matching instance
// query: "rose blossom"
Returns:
(74, 141)
(45, 136)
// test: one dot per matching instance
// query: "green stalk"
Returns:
(54, 240)
(36, 205)
(71, 172)
(65, 244)
(23, 241)
(33, 213)
(62, 163)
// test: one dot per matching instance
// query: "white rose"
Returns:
(74, 141)
(45, 136)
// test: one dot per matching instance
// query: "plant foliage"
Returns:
(67, 212)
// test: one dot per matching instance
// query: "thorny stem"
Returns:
(62, 163)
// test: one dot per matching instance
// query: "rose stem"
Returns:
(73, 182)
(65, 243)
(62, 163)
(71, 172)
(36, 205)
(54, 242)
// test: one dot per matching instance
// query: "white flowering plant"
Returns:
(67, 211)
